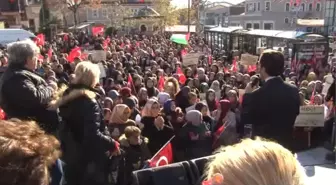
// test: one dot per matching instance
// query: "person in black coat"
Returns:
(23, 93)
(273, 108)
(135, 154)
(86, 143)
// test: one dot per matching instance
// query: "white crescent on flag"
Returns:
(162, 159)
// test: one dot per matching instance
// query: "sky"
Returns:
(184, 3)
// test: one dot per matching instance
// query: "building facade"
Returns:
(277, 15)
(218, 12)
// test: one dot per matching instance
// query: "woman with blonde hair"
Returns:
(84, 135)
(119, 120)
(255, 162)
(26, 153)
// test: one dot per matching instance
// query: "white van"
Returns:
(13, 35)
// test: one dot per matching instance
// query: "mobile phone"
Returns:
(248, 131)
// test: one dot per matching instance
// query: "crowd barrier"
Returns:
(192, 172)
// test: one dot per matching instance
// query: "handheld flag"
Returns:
(217, 134)
(234, 65)
(251, 68)
(74, 53)
(164, 156)
(97, 30)
(311, 102)
(161, 83)
(182, 78)
(40, 40)
(130, 84)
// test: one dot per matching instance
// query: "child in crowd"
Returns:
(135, 153)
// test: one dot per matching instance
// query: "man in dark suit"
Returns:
(272, 109)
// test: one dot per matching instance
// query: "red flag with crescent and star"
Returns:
(164, 156)
(98, 30)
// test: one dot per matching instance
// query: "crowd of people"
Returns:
(60, 109)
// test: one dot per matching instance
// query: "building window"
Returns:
(95, 13)
(104, 12)
(310, 7)
(287, 7)
(256, 26)
(286, 20)
(267, 6)
(268, 26)
(248, 25)
(302, 8)
(258, 8)
(318, 7)
(251, 7)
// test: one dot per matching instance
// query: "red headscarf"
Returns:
(225, 106)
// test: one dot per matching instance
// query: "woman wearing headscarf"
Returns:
(155, 128)
(225, 117)
(207, 119)
(195, 138)
(119, 120)
(204, 87)
(151, 89)
(125, 93)
(131, 103)
(181, 98)
(216, 87)
(210, 98)
(142, 97)
(173, 115)
(163, 97)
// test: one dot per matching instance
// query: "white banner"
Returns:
(310, 116)
(191, 58)
(247, 59)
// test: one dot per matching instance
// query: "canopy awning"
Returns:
(226, 29)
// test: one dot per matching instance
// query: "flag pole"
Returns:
(162, 147)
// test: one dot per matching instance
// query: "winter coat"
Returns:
(25, 95)
(134, 158)
(85, 139)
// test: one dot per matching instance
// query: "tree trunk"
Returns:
(75, 17)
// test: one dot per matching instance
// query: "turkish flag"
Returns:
(2, 114)
(74, 53)
(161, 83)
(40, 39)
(50, 51)
(182, 78)
(217, 134)
(130, 84)
(97, 30)
(251, 68)
(234, 65)
(163, 157)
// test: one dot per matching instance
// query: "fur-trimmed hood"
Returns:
(70, 94)
(124, 142)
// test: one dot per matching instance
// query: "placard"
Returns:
(102, 70)
(328, 81)
(310, 116)
(98, 55)
(247, 59)
(191, 58)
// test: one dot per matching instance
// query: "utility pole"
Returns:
(189, 16)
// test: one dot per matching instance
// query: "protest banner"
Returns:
(191, 58)
(310, 116)
(247, 59)
(97, 55)
(328, 81)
